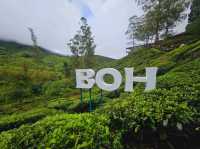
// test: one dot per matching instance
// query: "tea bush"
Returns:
(18, 119)
(173, 107)
(86, 131)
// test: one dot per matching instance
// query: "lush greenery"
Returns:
(159, 20)
(63, 131)
(25, 76)
(41, 109)
(82, 46)
(194, 19)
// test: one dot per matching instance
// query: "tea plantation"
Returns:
(41, 109)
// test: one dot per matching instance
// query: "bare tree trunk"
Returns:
(147, 42)
(158, 24)
(157, 33)
(166, 30)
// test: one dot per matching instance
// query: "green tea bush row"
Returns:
(79, 131)
(16, 120)
(173, 107)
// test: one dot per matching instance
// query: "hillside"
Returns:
(165, 118)
(26, 78)
(20, 52)
(165, 60)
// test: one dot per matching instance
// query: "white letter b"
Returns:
(84, 78)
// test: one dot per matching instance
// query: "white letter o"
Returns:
(105, 86)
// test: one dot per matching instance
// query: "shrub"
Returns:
(56, 88)
(16, 120)
(152, 114)
(193, 27)
(86, 131)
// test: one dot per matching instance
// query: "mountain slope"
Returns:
(25, 75)
(146, 57)
(167, 117)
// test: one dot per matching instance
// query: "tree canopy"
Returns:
(160, 18)
(82, 45)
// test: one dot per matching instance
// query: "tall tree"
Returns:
(173, 12)
(33, 36)
(145, 31)
(76, 49)
(34, 40)
(194, 19)
(195, 11)
(153, 12)
(82, 45)
(134, 23)
(88, 43)
(164, 14)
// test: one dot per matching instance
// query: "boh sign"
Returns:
(86, 79)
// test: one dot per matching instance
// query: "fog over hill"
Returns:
(55, 22)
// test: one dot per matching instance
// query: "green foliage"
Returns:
(174, 106)
(67, 69)
(63, 131)
(194, 20)
(193, 27)
(139, 59)
(161, 15)
(150, 110)
(56, 88)
(195, 11)
(166, 61)
(15, 120)
(22, 77)
(162, 118)
(82, 46)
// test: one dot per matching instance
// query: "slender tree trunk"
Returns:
(158, 24)
(157, 33)
(133, 42)
(166, 31)
(147, 42)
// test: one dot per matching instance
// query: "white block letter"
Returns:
(84, 78)
(150, 79)
(105, 86)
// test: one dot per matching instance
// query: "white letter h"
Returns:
(150, 79)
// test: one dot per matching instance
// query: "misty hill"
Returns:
(14, 49)
(42, 109)
(25, 76)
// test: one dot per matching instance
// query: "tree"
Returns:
(134, 23)
(173, 13)
(76, 49)
(195, 11)
(82, 45)
(34, 40)
(33, 37)
(194, 18)
(153, 12)
(145, 31)
(88, 43)
(164, 14)
(141, 29)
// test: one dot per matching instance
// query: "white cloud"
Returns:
(109, 26)
(56, 21)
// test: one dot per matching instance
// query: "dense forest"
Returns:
(40, 106)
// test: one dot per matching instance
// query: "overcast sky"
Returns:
(56, 21)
